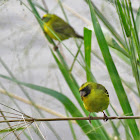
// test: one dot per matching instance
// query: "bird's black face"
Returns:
(85, 91)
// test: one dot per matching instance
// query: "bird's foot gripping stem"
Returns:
(90, 117)
(105, 117)
(55, 48)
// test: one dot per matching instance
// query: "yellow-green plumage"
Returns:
(94, 96)
(56, 28)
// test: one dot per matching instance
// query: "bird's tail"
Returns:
(79, 36)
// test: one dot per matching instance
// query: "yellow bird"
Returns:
(56, 28)
(95, 98)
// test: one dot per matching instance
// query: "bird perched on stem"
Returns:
(57, 28)
(95, 98)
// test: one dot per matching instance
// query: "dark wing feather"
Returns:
(61, 27)
(102, 88)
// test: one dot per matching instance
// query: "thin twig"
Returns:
(15, 110)
(13, 131)
(24, 129)
(30, 103)
(10, 117)
(11, 113)
(72, 118)
(5, 118)
(40, 131)
(12, 126)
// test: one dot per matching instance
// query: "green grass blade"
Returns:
(71, 127)
(40, 7)
(75, 58)
(115, 78)
(135, 36)
(113, 44)
(27, 136)
(11, 129)
(108, 25)
(63, 10)
(127, 135)
(138, 20)
(116, 132)
(134, 64)
(87, 44)
(123, 18)
(69, 81)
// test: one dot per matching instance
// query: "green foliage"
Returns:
(138, 20)
(87, 44)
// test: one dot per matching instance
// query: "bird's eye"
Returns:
(46, 19)
(87, 90)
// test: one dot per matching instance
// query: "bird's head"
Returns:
(85, 89)
(46, 17)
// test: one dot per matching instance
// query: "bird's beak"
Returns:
(82, 93)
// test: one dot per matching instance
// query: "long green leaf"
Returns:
(115, 78)
(11, 130)
(113, 44)
(108, 25)
(138, 20)
(71, 127)
(69, 81)
(87, 44)
(124, 20)
(134, 31)
(116, 132)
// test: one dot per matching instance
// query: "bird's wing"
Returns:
(62, 27)
(100, 87)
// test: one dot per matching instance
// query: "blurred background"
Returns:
(26, 52)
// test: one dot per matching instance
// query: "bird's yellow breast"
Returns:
(96, 101)
(49, 30)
